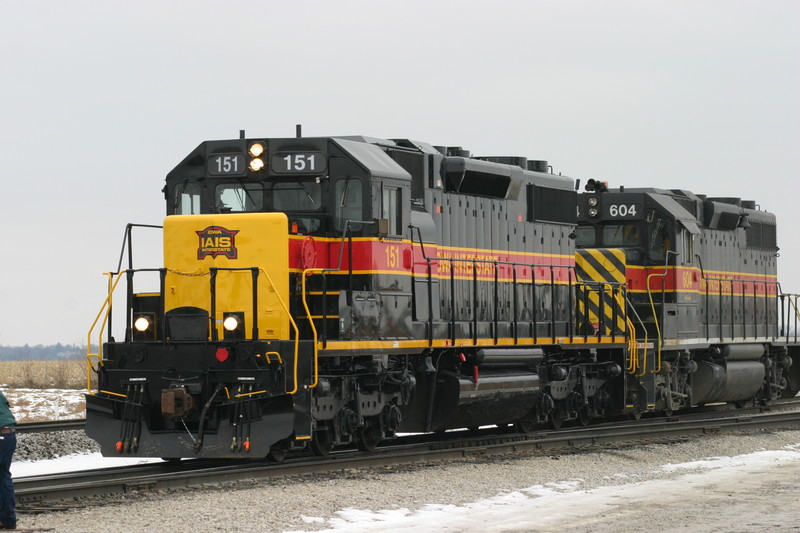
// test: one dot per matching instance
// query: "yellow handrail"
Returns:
(106, 306)
(294, 325)
(276, 354)
(307, 272)
(633, 348)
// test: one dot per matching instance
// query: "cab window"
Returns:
(349, 198)
(621, 235)
(659, 238)
(688, 246)
(585, 236)
(297, 196)
(187, 199)
(239, 197)
(390, 209)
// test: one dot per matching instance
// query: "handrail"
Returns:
(304, 294)
(294, 325)
(633, 347)
(106, 306)
(653, 308)
(655, 320)
(285, 309)
(633, 366)
(308, 272)
(742, 283)
(791, 303)
(493, 276)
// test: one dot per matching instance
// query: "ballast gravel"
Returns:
(38, 446)
(755, 502)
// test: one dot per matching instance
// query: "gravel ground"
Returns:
(760, 500)
(38, 446)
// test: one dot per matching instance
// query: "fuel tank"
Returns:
(495, 397)
(735, 381)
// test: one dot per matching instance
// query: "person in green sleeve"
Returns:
(8, 443)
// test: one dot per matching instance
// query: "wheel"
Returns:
(636, 415)
(322, 442)
(782, 388)
(525, 425)
(584, 417)
(278, 451)
(557, 418)
(368, 438)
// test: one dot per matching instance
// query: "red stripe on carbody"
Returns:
(403, 257)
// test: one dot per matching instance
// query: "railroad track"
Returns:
(52, 425)
(36, 493)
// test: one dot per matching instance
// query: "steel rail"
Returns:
(51, 425)
(34, 491)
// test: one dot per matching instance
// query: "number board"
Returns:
(298, 162)
(225, 165)
(623, 210)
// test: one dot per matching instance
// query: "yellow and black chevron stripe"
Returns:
(602, 271)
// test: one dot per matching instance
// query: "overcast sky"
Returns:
(100, 100)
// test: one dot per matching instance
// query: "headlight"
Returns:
(256, 149)
(256, 164)
(141, 323)
(593, 212)
(230, 323)
(592, 201)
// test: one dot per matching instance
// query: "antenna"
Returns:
(299, 130)
(241, 134)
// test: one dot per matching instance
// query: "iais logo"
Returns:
(216, 240)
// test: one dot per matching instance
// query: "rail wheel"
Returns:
(525, 424)
(584, 417)
(368, 437)
(557, 418)
(279, 450)
(745, 404)
(322, 441)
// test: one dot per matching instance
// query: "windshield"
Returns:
(297, 196)
(239, 197)
(621, 235)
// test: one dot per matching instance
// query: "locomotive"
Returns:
(701, 275)
(326, 291)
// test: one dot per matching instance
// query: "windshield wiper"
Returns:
(247, 193)
(307, 192)
(179, 194)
